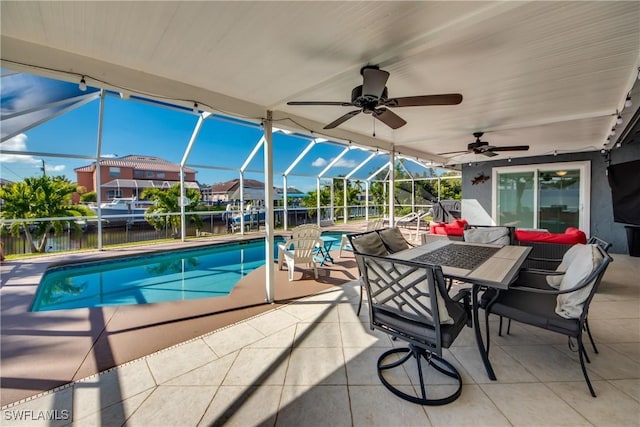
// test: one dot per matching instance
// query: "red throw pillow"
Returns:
(570, 238)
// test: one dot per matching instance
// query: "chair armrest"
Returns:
(541, 271)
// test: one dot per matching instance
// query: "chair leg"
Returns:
(290, 268)
(509, 327)
(361, 296)
(581, 354)
(500, 327)
(438, 363)
(593, 344)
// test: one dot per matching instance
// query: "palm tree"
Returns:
(166, 203)
(41, 197)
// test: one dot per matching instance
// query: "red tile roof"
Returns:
(139, 162)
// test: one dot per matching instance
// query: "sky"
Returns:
(133, 127)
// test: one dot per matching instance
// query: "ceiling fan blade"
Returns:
(425, 100)
(338, 103)
(342, 119)
(510, 148)
(374, 82)
(389, 118)
(453, 152)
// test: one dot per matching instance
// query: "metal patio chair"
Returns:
(409, 302)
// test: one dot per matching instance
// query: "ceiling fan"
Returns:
(371, 97)
(483, 147)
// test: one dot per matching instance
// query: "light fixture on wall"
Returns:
(613, 132)
(627, 102)
(618, 118)
(195, 107)
(83, 84)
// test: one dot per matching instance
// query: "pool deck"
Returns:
(43, 350)
(312, 362)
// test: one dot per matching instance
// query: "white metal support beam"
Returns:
(350, 174)
(413, 185)
(318, 200)
(98, 173)
(392, 186)
(284, 180)
(269, 208)
(324, 171)
(183, 193)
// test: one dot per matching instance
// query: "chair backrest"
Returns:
(594, 240)
(403, 295)
(393, 239)
(303, 249)
(368, 243)
(497, 235)
(306, 230)
(581, 281)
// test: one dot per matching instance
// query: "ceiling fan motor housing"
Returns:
(366, 102)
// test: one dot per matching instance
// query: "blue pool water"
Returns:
(179, 275)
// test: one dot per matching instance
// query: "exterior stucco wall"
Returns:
(478, 197)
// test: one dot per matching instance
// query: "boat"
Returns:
(121, 206)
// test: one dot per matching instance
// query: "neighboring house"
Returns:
(130, 175)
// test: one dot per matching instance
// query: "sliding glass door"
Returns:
(550, 196)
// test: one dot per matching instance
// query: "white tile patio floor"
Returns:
(312, 363)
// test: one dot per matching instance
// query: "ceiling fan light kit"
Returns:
(371, 97)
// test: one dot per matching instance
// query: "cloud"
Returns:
(19, 143)
(342, 163)
(319, 162)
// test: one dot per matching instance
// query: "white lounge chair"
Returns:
(301, 249)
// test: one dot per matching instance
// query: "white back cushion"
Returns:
(555, 280)
(584, 261)
(492, 235)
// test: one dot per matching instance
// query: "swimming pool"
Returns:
(205, 272)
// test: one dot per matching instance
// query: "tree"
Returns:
(41, 197)
(89, 197)
(166, 203)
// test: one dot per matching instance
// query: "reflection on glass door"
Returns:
(516, 194)
(559, 199)
(551, 196)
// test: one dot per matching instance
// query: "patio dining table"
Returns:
(482, 265)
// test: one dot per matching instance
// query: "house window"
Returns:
(160, 175)
(551, 196)
(138, 174)
(114, 172)
(113, 194)
(149, 174)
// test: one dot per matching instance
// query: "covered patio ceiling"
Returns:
(551, 75)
